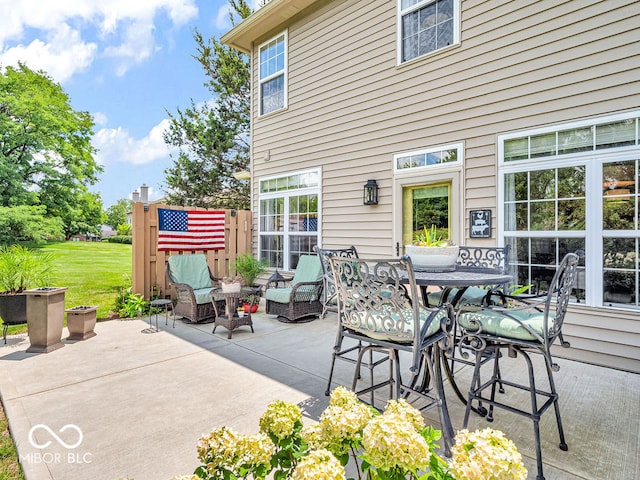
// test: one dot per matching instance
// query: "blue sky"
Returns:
(124, 61)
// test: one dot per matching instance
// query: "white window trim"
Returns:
(286, 193)
(285, 72)
(593, 243)
(399, 15)
(455, 165)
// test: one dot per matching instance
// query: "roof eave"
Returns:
(263, 20)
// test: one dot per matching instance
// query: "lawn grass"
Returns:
(9, 466)
(93, 272)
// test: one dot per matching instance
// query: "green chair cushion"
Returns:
(278, 295)
(283, 295)
(392, 320)
(472, 296)
(309, 269)
(495, 323)
(203, 295)
(190, 269)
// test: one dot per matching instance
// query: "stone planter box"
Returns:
(45, 318)
(81, 321)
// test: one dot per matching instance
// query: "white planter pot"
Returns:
(433, 259)
(231, 287)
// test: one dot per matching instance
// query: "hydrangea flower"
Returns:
(391, 441)
(486, 455)
(340, 424)
(280, 419)
(319, 465)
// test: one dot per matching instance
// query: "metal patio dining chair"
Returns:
(379, 306)
(474, 259)
(529, 325)
(329, 291)
(330, 302)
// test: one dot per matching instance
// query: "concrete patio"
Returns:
(138, 402)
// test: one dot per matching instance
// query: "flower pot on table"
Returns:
(433, 259)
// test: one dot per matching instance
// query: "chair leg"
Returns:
(443, 410)
(563, 444)
(535, 415)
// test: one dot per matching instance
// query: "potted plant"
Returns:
(432, 251)
(25, 299)
(249, 268)
(251, 302)
(20, 269)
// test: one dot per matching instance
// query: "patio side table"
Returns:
(230, 318)
(162, 304)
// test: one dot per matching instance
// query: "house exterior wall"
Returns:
(519, 65)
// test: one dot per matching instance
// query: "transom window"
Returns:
(273, 60)
(289, 218)
(426, 26)
(449, 154)
(575, 187)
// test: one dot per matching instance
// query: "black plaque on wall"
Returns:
(480, 224)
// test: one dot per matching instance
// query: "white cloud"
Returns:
(117, 145)
(66, 40)
(100, 119)
(63, 54)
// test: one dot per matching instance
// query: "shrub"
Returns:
(121, 239)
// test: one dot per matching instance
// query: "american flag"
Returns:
(190, 229)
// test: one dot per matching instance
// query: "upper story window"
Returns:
(449, 154)
(426, 26)
(273, 63)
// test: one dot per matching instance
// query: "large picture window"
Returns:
(289, 218)
(425, 26)
(273, 62)
(575, 187)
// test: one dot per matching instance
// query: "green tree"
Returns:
(117, 214)
(28, 224)
(46, 157)
(213, 138)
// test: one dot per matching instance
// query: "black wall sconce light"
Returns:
(370, 193)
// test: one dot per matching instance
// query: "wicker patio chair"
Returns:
(530, 325)
(192, 281)
(301, 300)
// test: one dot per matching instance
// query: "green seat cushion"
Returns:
(190, 269)
(283, 295)
(203, 295)
(395, 326)
(278, 295)
(472, 296)
(495, 323)
(309, 269)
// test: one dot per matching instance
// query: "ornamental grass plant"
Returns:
(394, 445)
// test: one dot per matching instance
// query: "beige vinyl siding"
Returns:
(520, 65)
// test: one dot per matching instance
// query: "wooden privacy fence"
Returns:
(148, 265)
